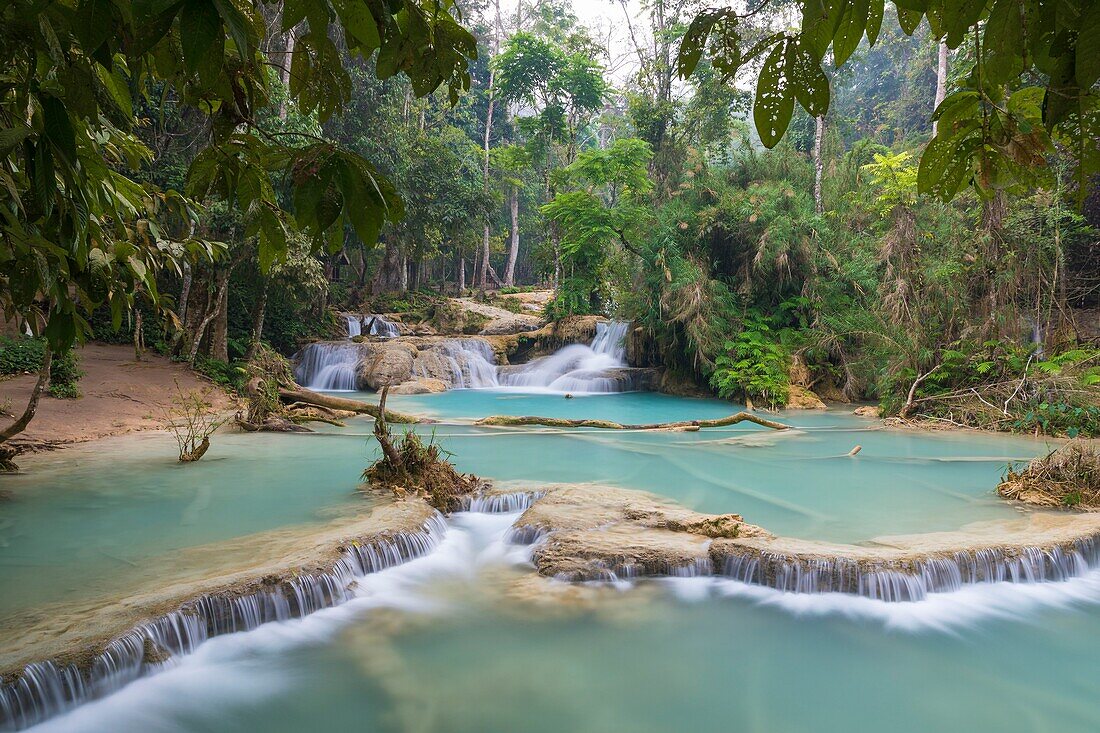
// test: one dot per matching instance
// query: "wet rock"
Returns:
(868, 411)
(800, 398)
(423, 385)
(389, 364)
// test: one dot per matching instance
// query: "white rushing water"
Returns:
(471, 552)
(329, 366)
(471, 362)
(577, 367)
(377, 325)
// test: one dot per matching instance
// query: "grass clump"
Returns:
(1068, 477)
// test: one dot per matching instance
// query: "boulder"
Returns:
(422, 385)
(388, 365)
(800, 398)
(868, 411)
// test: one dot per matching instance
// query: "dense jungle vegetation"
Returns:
(919, 230)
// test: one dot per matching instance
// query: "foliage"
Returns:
(20, 354)
(420, 468)
(192, 420)
(79, 229)
(1030, 82)
(1067, 477)
(64, 374)
(754, 365)
(227, 375)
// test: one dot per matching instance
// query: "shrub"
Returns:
(753, 366)
(192, 420)
(20, 354)
(64, 374)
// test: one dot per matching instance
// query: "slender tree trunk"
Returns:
(461, 275)
(513, 246)
(219, 336)
(819, 164)
(941, 80)
(139, 339)
(284, 73)
(258, 313)
(185, 292)
(7, 453)
(222, 280)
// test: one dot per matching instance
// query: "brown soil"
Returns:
(118, 395)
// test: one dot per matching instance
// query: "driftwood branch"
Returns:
(909, 400)
(317, 399)
(558, 422)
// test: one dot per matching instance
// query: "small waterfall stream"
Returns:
(329, 366)
(377, 325)
(578, 367)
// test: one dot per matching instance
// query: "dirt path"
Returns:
(118, 395)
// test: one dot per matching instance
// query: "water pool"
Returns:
(459, 640)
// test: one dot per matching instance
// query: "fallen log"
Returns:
(317, 399)
(560, 422)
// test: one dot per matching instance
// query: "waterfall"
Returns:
(911, 579)
(45, 689)
(579, 367)
(379, 325)
(471, 363)
(329, 366)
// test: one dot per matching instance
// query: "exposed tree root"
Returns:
(559, 422)
(1067, 477)
(411, 466)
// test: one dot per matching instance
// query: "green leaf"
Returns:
(12, 136)
(94, 24)
(202, 38)
(237, 24)
(1003, 43)
(774, 104)
(1088, 47)
(944, 165)
(117, 89)
(358, 21)
(58, 128)
(958, 17)
(695, 40)
(853, 23)
(909, 20)
(811, 86)
(874, 21)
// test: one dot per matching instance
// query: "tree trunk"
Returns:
(513, 245)
(258, 313)
(219, 335)
(222, 280)
(284, 73)
(941, 81)
(185, 292)
(392, 276)
(483, 261)
(461, 275)
(139, 340)
(7, 453)
(819, 165)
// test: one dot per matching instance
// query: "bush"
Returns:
(754, 365)
(229, 376)
(20, 354)
(64, 374)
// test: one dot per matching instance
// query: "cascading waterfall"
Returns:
(377, 325)
(913, 579)
(45, 689)
(578, 367)
(329, 366)
(471, 362)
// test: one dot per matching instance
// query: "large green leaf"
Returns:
(1088, 46)
(359, 22)
(1003, 43)
(59, 128)
(202, 38)
(811, 86)
(774, 104)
